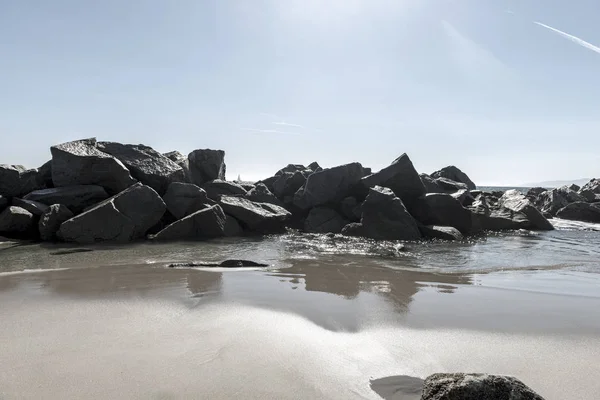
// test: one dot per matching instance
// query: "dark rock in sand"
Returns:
(399, 387)
(81, 163)
(450, 186)
(580, 211)
(257, 217)
(52, 219)
(3, 202)
(183, 199)
(122, 218)
(76, 198)
(591, 191)
(459, 386)
(145, 164)
(16, 222)
(34, 207)
(515, 201)
(222, 264)
(206, 165)
(204, 224)
(330, 185)
(444, 210)
(455, 174)
(261, 194)
(288, 183)
(351, 209)
(551, 201)
(430, 184)
(217, 188)
(16, 180)
(440, 232)
(232, 227)
(324, 220)
(384, 217)
(400, 177)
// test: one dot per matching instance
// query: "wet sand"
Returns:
(313, 329)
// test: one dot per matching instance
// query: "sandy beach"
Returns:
(306, 328)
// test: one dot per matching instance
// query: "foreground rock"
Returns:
(514, 201)
(400, 177)
(487, 215)
(122, 218)
(324, 220)
(183, 199)
(16, 180)
(288, 183)
(580, 211)
(16, 222)
(34, 207)
(81, 163)
(460, 386)
(256, 217)
(145, 164)
(222, 264)
(454, 174)
(204, 224)
(52, 219)
(443, 210)
(384, 217)
(328, 186)
(76, 198)
(206, 165)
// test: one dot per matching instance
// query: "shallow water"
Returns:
(328, 315)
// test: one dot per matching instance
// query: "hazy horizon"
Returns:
(506, 91)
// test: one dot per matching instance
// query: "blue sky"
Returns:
(473, 83)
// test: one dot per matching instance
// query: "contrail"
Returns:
(572, 38)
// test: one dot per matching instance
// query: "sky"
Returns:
(508, 91)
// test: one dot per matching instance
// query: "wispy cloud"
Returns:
(270, 131)
(572, 38)
(288, 124)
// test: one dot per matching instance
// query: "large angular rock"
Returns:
(401, 177)
(34, 207)
(183, 199)
(180, 160)
(384, 217)
(581, 212)
(16, 180)
(122, 218)
(261, 194)
(76, 198)
(533, 193)
(455, 174)
(204, 224)
(16, 222)
(288, 183)
(591, 191)
(450, 186)
(145, 164)
(217, 188)
(487, 215)
(330, 185)
(257, 217)
(430, 184)
(81, 163)
(324, 220)
(206, 165)
(52, 219)
(443, 210)
(351, 209)
(45, 175)
(551, 201)
(515, 201)
(460, 386)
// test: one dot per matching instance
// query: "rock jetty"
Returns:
(93, 191)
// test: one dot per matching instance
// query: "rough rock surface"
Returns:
(257, 217)
(206, 165)
(591, 190)
(288, 183)
(16, 180)
(488, 216)
(3, 202)
(81, 163)
(455, 174)
(460, 386)
(45, 175)
(430, 184)
(76, 198)
(514, 201)
(330, 185)
(217, 188)
(52, 219)
(551, 201)
(440, 232)
(580, 211)
(384, 217)
(261, 194)
(533, 193)
(232, 227)
(443, 210)
(450, 186)
(351, 209)
(122, 218)
(183, 199)
(34, 207)
(400, 177)
(16, 221)
(204, 224)
(324, 220)
(145, 164)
